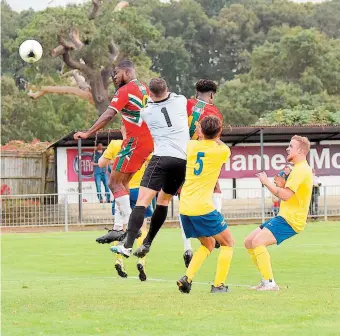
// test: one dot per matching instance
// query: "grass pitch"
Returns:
(65, 284)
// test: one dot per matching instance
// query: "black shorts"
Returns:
(164, 172)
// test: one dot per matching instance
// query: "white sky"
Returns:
(19, 5)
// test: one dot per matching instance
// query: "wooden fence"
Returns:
(25, 173)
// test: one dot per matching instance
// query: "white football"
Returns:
(30, 51)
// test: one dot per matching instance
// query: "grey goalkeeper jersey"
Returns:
(168, 123)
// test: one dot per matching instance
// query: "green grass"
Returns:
(65, 284)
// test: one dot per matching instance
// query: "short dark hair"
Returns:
(206, 85)
(211, 127)
(158, 86)
(125, 64)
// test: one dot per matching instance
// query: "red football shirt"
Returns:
(129, 100)
(197, 110)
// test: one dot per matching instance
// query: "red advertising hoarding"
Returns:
(86, 165)
(246, 161)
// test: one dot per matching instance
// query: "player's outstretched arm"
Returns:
(101, 122)
(103, 162)
(283, 193)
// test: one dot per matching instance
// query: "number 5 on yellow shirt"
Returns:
(199, 161)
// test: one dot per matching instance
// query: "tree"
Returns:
(304, 56)
(301, 115)
(46, 119)
(93, 49)
(11, 63)
(266, 56)
(213, 7)
(327, 18)
(237, 34)
(186, 25)
(300, 68)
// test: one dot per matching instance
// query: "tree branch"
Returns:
(94, 10)
(58, 51)
(86, 95)
(107, 71)
(73, 64)
(66, 44)
(106, 74)
(74, 36)
(113, 52)
(80, 80)
(120, 6)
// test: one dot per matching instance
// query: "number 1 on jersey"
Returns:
(166, 116)
(199, 160)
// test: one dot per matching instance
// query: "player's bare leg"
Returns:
(260, 240)
(157, 220)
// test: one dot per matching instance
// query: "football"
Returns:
(30, 51)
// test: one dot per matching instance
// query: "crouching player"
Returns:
(199, 216)
(114, 235)
(295, 195)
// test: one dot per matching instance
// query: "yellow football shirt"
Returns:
(295, 210)
(204, 161)
(112, 151)
(137, 177)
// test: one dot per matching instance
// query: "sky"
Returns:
(19, 5)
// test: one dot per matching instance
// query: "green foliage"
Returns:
(47, 119)
(301, 115)
(299, 67)
(267, 56)
(12, 22)
(213, 7)
(327, 18)
(301, 55)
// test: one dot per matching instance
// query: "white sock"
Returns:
(118, 226)
(122, 212)
(186, 241)
(218, 200)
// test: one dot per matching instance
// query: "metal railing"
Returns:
(64, 210)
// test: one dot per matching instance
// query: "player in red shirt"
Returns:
(202, 106)
(129, 99)
(198, 108)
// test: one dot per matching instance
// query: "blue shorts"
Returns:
(280, 229)
(133, 201)
(207, 225)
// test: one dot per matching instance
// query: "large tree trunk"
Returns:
(99, 92)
